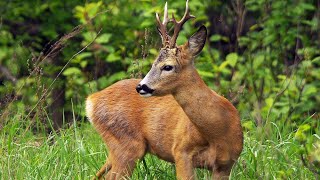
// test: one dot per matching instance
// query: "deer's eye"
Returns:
(167, 68)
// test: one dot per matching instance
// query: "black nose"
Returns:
(139, 88)
(144, 89)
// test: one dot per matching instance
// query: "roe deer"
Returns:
(181, 121)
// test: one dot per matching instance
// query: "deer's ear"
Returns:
(197, 41)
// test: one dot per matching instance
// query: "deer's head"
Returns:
(174, 64)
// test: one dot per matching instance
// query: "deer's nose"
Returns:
(144, 89)
(139, 88)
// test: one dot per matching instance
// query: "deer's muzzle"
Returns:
(144, 90)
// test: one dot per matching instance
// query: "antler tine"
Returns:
(178, 25)
(162, 27)
(165, 15)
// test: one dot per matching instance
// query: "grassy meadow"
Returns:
(77, 152)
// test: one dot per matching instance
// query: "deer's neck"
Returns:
(201, 105)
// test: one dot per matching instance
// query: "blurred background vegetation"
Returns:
(263, 55)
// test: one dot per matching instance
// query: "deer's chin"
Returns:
(145, 95)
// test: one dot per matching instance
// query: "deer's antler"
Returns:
(162, 27)
(178, 25)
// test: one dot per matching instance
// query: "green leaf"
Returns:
(92, 8)
(257, 61)
(254, 27)
(215, 38)
(89, 36)
(269, 39)
(84, 55)
(316, 59)
(153, 51)
(269, 102)
(310, 90)
(116, 76)
(248, 125)
(83, 64)
(3, 53)
(104, 38)
(225, 38)
(232, 59)
(307, 6)
(79, 13)
(107, 80)
(282, 77)
(146, 23)
(223, 65)
(71, 71)
(112, 57)
(300, 134)
(206, 74)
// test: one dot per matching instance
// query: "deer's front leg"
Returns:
(184, 165)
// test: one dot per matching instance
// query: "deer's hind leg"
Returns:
(124, 152)
(105, 168)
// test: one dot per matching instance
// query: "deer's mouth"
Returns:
(144, 90)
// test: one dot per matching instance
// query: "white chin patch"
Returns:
(146, 95)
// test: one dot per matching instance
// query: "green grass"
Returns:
(78, 152)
